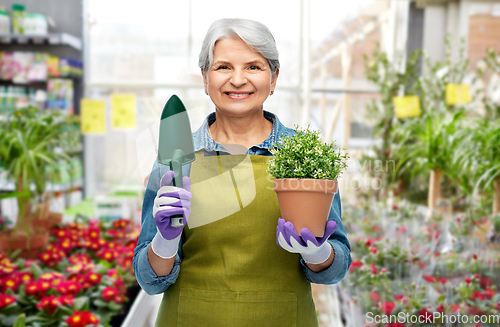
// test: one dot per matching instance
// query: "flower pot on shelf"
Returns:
(31, 246)
(305, 202)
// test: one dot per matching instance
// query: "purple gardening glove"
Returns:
(313, 250)
(170, 201)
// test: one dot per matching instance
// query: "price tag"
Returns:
(407, 106)
(93, 116)
(123, 111)
(458, 94)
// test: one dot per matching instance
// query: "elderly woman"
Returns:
(235, 262)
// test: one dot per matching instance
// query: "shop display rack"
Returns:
(50, 39)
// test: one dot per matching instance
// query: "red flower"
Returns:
(474, 256)
(49, 304)
(440, 308)
(38, 289)
(383, 270)
(369, 242)
(82, 319)
(400, 298)
(93, 232)
(485, 282)
(121, 223)
(24, 276)
(116, 234)
(468, 280)
(6, 300)
(119, 284)
(374, 297)
(51, 276)
(69, 287)
(374, 269)
(107, 254)
(31, 288)
(111, 294)
(455, 308)
(430, 279)
(93, 278)
(477, 295)
(442, 280)
(373, 250)
(424, 312)
(113, 273)
(11, 282)
(387, 307)
(67, 244)
(65, 300)
(7, 267)
(488, 293)
(395, 324)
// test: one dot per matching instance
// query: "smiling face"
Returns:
(240, 79)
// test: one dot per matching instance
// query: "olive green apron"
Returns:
(233, 273)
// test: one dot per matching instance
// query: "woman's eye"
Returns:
(254, 67)
(222, 67)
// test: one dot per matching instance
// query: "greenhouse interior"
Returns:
(393, 104)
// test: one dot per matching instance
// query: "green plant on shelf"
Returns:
(30, 144)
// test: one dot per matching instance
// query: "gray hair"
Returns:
(256, 35)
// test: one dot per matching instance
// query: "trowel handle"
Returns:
(176, 167)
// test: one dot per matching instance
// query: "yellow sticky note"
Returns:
(123, 111)
(407, 106)
(458, 94)
(93, 116)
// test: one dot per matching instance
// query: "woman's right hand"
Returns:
(170, 201)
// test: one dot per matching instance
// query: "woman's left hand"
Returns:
(313, 250)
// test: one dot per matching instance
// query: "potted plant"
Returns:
(30, 141)
(390, 81)
(306, 171)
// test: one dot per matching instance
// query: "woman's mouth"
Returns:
(238, 95)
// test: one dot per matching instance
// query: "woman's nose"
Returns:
(238, 78)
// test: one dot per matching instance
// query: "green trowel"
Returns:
(175, 146)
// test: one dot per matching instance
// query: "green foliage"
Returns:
(305, 155)
(483, 152)
(31, 139)
(491, 104)
(387, 76)
(30, 145)
(427, 142)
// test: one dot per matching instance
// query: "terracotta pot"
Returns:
(306, 202)
(30, 246)
(47, 224)
(42, 210)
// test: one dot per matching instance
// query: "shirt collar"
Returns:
(203, 140)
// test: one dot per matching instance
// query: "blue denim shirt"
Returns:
(153, 284)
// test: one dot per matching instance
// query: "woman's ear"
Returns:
(274, 77)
